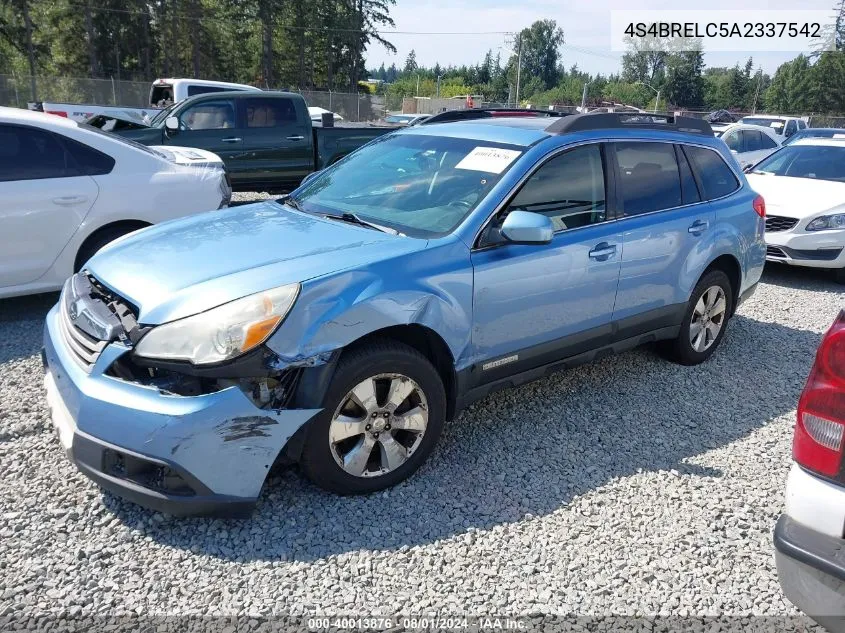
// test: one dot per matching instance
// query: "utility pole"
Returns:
(757, 91)
(584, 98)
(438, 85)
(30, 50)
(418, 86)
(518, 67)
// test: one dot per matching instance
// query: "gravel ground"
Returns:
(631, 486)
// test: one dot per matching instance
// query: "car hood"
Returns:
(797, 197)
(186, 266)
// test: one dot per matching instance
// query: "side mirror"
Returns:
(524, 227)
(171, 124)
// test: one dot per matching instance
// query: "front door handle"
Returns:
(296, 137)
(603, 252)
(698, 227)
(232, 139)
(66, 201)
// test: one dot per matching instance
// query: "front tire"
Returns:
(705, 320)
(383, 413)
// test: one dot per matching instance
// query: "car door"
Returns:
(534, 304)
(664, 223)
(44, 198)
(278, 144)
(212, 125)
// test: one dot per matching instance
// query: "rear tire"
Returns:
(705, 320)
(383, 413)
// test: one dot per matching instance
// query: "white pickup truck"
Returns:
(163, 92)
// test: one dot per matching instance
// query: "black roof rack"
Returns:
(629, 120)
(486, 113)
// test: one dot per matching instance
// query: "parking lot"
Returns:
(631, 486)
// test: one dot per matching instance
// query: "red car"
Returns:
(810, 536)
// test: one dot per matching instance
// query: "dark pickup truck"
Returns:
(265, 138)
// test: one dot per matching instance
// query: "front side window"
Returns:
(419, 184)
(733, 141)
(649, 179)
(209, 115)
(264, 112)
(791, 128)
(713, 173)
(569, 189)
(819, 162)
(31, 154)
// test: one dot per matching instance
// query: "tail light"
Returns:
(760, 206)
(819, 441)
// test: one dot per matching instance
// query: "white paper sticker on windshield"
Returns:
(489, 159)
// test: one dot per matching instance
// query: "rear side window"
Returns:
(713, 173)
(90, 161)
(31, 154)
(753, 140)
(767, 142)
(264, 112)
(648, 177)
(202, 90)
(732, 140)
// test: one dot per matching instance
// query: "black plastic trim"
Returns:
(253, 364)
(629, 120)
(583, 347)
(820, 551)
(88, 455)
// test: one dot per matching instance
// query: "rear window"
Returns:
(202, 90)
(713, 172)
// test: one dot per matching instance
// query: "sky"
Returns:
(586, 27)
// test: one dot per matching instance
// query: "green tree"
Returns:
(540, 45)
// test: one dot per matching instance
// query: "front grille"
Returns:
(84, 348)
(775, 223)
(774, 251)
(87, 319)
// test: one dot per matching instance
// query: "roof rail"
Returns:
(629, 120)
(486, 113)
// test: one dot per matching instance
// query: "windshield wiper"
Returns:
(291, 202)
(354, 219)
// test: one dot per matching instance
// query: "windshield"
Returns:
(815, 133)
(820, 162)
(775, 124)
(420, 185)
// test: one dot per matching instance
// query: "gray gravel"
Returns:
(631, 486)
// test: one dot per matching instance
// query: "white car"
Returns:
(803, 184)
(749, 143)
(783, 126)
(810, 536)
(68, 189)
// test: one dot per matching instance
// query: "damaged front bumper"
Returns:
(184, 455)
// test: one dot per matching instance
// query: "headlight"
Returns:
(221, 333)
(835, 221)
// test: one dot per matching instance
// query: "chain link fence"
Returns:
(17, 91)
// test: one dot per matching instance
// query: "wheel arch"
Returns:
(127, 225)
(729, 265)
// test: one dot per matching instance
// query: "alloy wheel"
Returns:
(708, 318)
(378, 425)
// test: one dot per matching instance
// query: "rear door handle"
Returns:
(602, 252)
(698, 227)
(232, 139)
(66, 201)
(296, 137)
